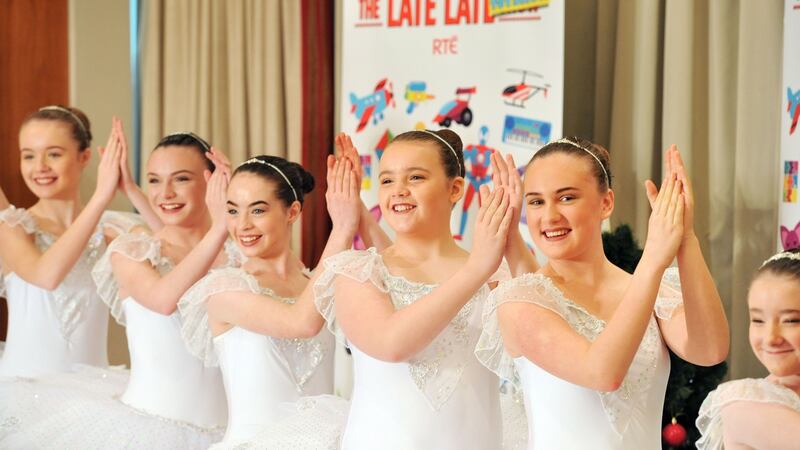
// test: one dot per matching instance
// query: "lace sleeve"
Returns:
(670, 296)
(121, 222)
(18, 217)
(709, 419)
(359, 265)
(529, 288)
(136, 246)
(194, 315)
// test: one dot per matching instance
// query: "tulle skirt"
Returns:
(82, 410)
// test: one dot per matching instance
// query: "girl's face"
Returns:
(258, 220)
(564, 206)
(50, 160)
(774, 302)
(415, 194)
(176, 185)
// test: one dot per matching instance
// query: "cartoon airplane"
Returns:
(793, 108)
(372, 105)
(518, 94)
(416, 94)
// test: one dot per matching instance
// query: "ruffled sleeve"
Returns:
(121, 222)
(669, 294)
(136, 246)
(709, 419)
(18, 217)
(359, 265)
(529, 288)
(194, 314)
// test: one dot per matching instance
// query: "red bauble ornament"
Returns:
(674, 434)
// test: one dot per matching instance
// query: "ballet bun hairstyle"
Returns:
(786, 264)
(74, 118)
(188, 139)
(293, 182)
(448, 144)
(594, 154)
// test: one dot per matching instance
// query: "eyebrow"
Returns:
(257, 202)
(559, 191)
(410, 169)
(173, 173)
(52, 147)
(783, 311)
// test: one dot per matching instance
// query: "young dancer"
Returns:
(763, 413)
(411, 313)
(56, 318)
(589, 341)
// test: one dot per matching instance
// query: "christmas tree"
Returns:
(688, 384)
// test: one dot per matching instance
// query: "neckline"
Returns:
(400, 277)
(563, 298)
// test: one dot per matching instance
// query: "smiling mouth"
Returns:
(556, 234)
(402, 208)
(171, 208)
(249, 241)
(44, 181)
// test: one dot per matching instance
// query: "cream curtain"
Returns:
(227, 70)
(702, 74)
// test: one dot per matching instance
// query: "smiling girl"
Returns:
(763, 413)
(588, 340)
(56, 318)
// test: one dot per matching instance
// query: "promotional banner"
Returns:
(789, 215)
(491, 73)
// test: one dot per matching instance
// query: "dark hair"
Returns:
(453, 164)
(73, 117)
(274, 168)
(188, 139)
(782, 264)
(582, 148)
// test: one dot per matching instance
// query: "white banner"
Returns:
(789, 215)
(496, 81)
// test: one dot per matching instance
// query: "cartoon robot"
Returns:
(477, 162)
(372, 106)
(457, 110)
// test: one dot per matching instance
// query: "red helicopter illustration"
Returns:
(518, 94)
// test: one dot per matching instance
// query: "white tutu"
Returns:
(312, 423)
(82, 410)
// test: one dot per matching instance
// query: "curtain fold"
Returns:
(704, 75)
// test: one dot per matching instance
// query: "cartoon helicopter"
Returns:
(518, 94)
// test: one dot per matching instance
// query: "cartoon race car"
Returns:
(456, 110)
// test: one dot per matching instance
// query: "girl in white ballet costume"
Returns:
(589, 341)
(56, 318)
(171, 400)
(763, 413)
(258, 322)
(411, 313)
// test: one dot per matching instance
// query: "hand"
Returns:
(216, 198)
(345, 149)
(342, 196)
(506, 176)
(665, 228)
(676, 165)
(491, 231)
(108, 170)
(221, 162)
(126, 181)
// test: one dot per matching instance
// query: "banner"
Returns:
(789, 211)
(497, 81)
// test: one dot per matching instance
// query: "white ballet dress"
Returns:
(171, 400)
(754, 390)
(562, 415)
(51, 331)
(261, 374)
(442, 398)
